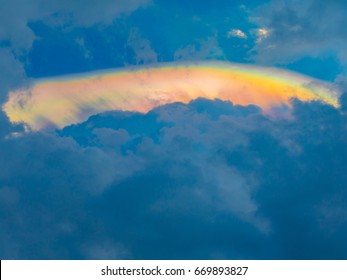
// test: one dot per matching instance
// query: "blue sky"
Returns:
(204, 180)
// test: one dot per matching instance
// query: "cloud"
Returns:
(16, 35)
(262, 34)
(237, 33)
(45, 183)
(61, 101)
(298, 30)
(12, 72)
(207, 179)
(142, 48)
(203, 49)
(18, 13)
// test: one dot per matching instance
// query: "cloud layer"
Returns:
(202, 180)
(61, 101)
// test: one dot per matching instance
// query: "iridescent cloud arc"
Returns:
(61, 101)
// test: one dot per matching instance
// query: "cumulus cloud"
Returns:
(206, 179)
(45, 183)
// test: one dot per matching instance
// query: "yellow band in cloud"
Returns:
(65, 100)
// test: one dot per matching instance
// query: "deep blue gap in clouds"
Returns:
(324, 68)
(61, 50)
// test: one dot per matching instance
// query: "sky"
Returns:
(156, 129)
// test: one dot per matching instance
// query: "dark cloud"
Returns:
(43, 174)
(203, 180)
(206, 180)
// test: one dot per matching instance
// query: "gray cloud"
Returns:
(12, 72)
(298, 29)
(202, 49)
(144, 53)
(18, 13)
(203, 180)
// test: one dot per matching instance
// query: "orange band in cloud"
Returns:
(71, 99)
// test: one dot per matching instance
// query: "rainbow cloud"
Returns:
(71, 99)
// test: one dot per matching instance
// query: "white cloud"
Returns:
(237, 33)
(262, 34)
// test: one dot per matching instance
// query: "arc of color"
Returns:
(71, 99)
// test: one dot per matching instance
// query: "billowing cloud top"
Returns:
(60, 101)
